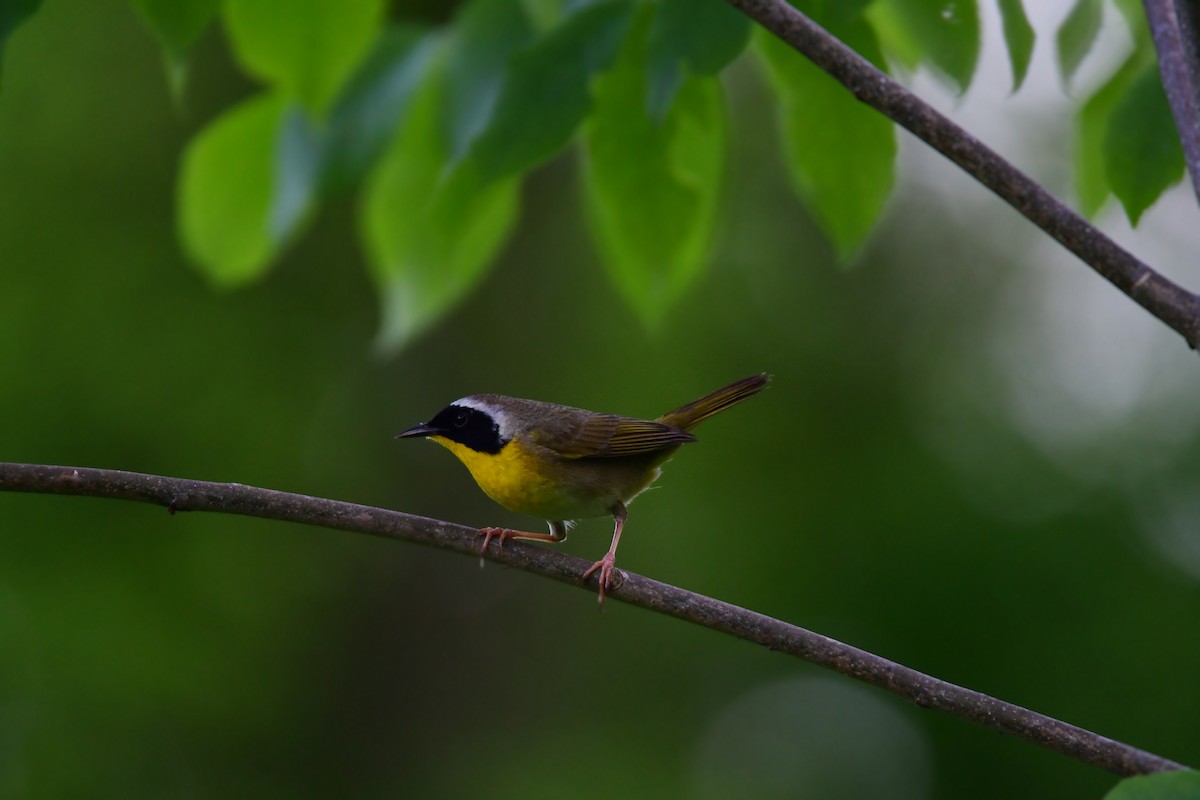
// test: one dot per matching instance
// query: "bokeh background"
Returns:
(976, 459)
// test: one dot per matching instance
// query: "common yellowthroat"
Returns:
(562, 463)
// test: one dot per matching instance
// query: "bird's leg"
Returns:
(558, 532)
(606, 564)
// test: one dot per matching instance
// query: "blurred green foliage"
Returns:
(1163, 786)
(653, 184)
(944, 33)
(12, 14)
(1142, 162)
(915, 482)
(1019, 37)
(1077, 34)
(508, 84)
(844, 166)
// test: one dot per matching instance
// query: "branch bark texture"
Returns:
(1174, 28)
(178, 495)
(1177, 307)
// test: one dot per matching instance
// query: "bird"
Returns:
(562, 463)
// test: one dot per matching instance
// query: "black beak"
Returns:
(424, 429)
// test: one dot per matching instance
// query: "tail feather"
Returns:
(691, 415)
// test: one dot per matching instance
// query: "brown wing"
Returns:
(610, 435)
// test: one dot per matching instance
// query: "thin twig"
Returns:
(1166, 300)
(1173, 26)
(178, 494)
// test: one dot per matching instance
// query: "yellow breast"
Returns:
(520, 481)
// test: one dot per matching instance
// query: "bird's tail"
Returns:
(691, 415)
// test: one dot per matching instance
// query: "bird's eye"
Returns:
(460, 419)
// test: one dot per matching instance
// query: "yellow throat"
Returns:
(516, 479)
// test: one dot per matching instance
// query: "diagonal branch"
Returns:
(1166, 300)
(178, 494)
(1174, 28)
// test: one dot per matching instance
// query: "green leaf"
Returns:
(369, 110)
(297, 164)
(430, 228)
(1076, 36)
(543, 13)
(894, 35)
(1134, 13)
(847, 20)
(251, 180)
(12, 14)
(1141, 149)
(487, 33)
(308, 48)
(1019, 36)
(841, 153)
(691, 37)
(1091, 171)
(546, 89)
(177, 24)
(1181, 785)
(651, 188)
(944, 32)
(833, 15)
(226, 188)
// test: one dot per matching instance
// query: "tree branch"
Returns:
(1166, 300)
(178, 494)
(1173, 27)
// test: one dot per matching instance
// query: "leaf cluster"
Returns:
(437, 127)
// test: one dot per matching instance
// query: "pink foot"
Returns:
(503, 534)
(605, 565)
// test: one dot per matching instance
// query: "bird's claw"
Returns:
(503, 534)
(606, 566)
